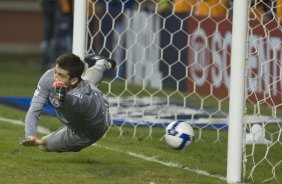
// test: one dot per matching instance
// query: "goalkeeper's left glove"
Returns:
(60, 90)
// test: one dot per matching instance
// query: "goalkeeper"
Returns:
(80, 106)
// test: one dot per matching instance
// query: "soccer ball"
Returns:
(179, 135)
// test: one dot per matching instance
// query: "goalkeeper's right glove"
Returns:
(60, 91)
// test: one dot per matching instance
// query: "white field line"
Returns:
(137, 155)
(41, 130)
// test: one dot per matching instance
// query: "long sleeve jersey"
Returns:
(84, 108)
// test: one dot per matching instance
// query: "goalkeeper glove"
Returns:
(31, 141)
(60, 91)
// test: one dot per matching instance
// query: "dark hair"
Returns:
(72, 64)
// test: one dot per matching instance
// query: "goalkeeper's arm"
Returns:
(39, 98)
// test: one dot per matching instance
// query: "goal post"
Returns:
(237, 91)
(79, 27)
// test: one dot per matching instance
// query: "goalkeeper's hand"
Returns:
(31, 141)
(60, 91)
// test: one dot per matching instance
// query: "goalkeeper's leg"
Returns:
(65, 140)
(97, 65)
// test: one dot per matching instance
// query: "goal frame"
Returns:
(238, 58)
(237, 91)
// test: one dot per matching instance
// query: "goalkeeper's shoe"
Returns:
(31, 141)
(93, 59)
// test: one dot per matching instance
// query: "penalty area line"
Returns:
(168, 164)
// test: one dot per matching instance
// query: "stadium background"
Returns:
(22, 32)
(21, 26)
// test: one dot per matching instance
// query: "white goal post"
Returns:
(237, 91)
(79, 28)
(175, 63)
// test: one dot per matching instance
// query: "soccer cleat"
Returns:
(93, 59)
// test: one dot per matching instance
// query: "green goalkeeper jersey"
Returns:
(84, 110)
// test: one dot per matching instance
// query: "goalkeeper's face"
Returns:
(62, 75)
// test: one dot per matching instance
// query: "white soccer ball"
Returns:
(179, 135)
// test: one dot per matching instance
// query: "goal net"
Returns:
(173, 60)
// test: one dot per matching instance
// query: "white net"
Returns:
(174, 64)
(263, 92)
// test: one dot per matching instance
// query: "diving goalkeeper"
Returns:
(81, 107)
